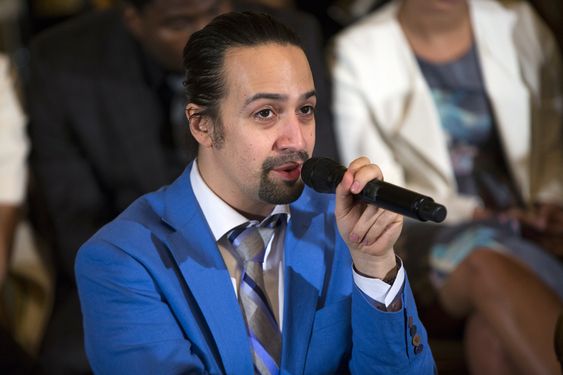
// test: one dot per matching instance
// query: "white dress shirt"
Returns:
(222, 218)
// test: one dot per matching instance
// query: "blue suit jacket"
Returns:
(157, 298)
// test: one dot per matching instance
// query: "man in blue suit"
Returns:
(164, 288)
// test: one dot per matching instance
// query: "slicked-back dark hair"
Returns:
(205, 51)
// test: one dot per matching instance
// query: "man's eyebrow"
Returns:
(265, 95)
(309, 94)
(278, 97)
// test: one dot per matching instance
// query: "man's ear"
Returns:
(200, 125)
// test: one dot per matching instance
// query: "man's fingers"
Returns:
(372, 224)
(364, 223)
(349, 185)
(381, 228)
(363, 175)
(358, 163)
(358, 174)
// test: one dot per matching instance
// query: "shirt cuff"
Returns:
(377, 289)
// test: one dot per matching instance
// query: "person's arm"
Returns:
(385, 293)
(389, 342)
(383, 341)
(543, 224)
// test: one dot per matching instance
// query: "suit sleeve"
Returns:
(388, 342)
(128, 326)
(72, 200)
(382, 342)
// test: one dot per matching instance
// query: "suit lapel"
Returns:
(201, 265)
(304, 276)
(421, 129)
(421, 125)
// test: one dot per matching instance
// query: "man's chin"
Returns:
(281, 192)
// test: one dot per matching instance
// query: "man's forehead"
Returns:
(262, 56)
(269, 68)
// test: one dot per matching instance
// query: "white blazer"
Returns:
(384, 109)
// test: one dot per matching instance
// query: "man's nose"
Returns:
(292, 135)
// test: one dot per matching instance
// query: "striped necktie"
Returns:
(250, 243)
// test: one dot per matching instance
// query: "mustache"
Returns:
(275, 161)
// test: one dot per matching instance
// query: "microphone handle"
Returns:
(402, 201)
(397, 199)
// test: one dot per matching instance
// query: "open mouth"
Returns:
(288, 171)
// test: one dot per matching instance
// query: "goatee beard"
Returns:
(280, 192)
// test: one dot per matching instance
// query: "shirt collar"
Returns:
(219, 215)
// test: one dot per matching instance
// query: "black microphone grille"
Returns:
(322, 174)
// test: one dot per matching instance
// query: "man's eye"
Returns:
(308, 110)
(265, 113)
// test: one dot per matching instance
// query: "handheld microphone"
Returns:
(323, 175)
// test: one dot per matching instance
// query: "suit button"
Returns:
(416, 340)
(418, 349)
(412, 330)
